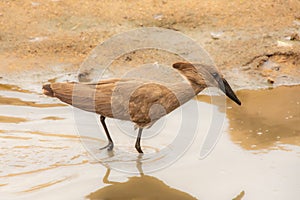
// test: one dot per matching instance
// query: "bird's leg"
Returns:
(110, 144)
(138, 141)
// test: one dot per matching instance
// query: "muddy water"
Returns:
(257, 157)
(268, 120)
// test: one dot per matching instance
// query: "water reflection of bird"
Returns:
(149, 187)
(143, 187)
(140, 101)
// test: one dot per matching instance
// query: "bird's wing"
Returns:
(108, 81)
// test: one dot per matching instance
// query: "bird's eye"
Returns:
(215, 74)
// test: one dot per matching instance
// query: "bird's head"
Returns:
(205, 76)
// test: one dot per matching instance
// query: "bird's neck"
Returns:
(197, 88)
(185, 91)
(194, 82)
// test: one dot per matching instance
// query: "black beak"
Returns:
(225, 87)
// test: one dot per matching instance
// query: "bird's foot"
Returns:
(109, 146)
(139, 149)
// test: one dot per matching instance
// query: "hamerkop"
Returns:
(140, 101)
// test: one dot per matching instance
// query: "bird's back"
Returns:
(140, 101)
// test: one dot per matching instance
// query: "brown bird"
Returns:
(138, 100)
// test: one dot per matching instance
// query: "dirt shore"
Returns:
(254, 43)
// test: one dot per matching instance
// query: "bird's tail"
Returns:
(62, 91)
(78, 95)
(47, 90)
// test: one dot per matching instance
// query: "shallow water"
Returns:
(257, 156)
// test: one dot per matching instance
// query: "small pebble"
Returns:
(35, 3)
(283, 44)
(83, 77)
(216, 35)
(295, 37)
(270, 80)
(128, 58)
(37, 39)
(158, 17)
(245, 68)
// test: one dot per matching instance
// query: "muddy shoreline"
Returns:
(254, 46)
